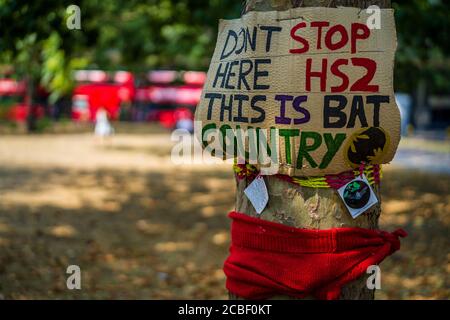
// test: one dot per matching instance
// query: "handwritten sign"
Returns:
(319, 78)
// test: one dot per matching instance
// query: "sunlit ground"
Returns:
(140, 227)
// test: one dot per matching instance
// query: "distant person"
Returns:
(184, 120)
(103, 127)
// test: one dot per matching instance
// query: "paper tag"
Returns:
(358, 196)
(256, 192)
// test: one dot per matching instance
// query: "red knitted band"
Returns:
(268, 258)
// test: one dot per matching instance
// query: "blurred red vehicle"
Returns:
(13, 101)
(96, 91)
(167, 101)
(166, 97)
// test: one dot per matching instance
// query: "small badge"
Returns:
(256, 192)
(358, 196)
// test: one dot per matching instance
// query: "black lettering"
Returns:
(335, 112)
(262, 113)
(269, 30)
(258, 74)
(224, 107)
(230, 74)
(252, 40)
(211, 97)
(243, 74)
(357, 111)
(240, 98)
(220, 74)
(233, 34)
(377, 101)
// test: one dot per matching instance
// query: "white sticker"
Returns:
(256, 192)
(358, 196)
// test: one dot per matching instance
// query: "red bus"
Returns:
(13, 101)
(169, 97)
(95, 90)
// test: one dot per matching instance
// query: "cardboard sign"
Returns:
(318, 81)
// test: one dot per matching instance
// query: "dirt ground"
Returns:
(140, 227)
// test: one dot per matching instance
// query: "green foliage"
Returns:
(125, 34)
(43, 124)
(57, 68)
(35, 41)
(423, 31)
(159, 34)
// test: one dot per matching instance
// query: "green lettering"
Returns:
(333, 146)
(304, 148)
(204, 129)
(287, 134)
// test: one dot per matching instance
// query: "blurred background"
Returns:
(140, 227)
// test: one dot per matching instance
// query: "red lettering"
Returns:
(299, 39)
(362, 84)
(356, 27)
(322, 75)
(335, 70)
(329, 37)
(358, 31)
(319, 25)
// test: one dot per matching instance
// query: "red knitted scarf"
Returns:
(268, 259)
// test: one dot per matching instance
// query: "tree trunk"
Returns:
(305, 207)
(29, 101)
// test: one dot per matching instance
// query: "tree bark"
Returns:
(31, 89)
(304, 207)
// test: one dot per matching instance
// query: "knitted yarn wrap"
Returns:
(335, 181)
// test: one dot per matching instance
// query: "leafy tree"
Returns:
(34, 39)
(126, 34)
(158, 34)
(423, 31)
